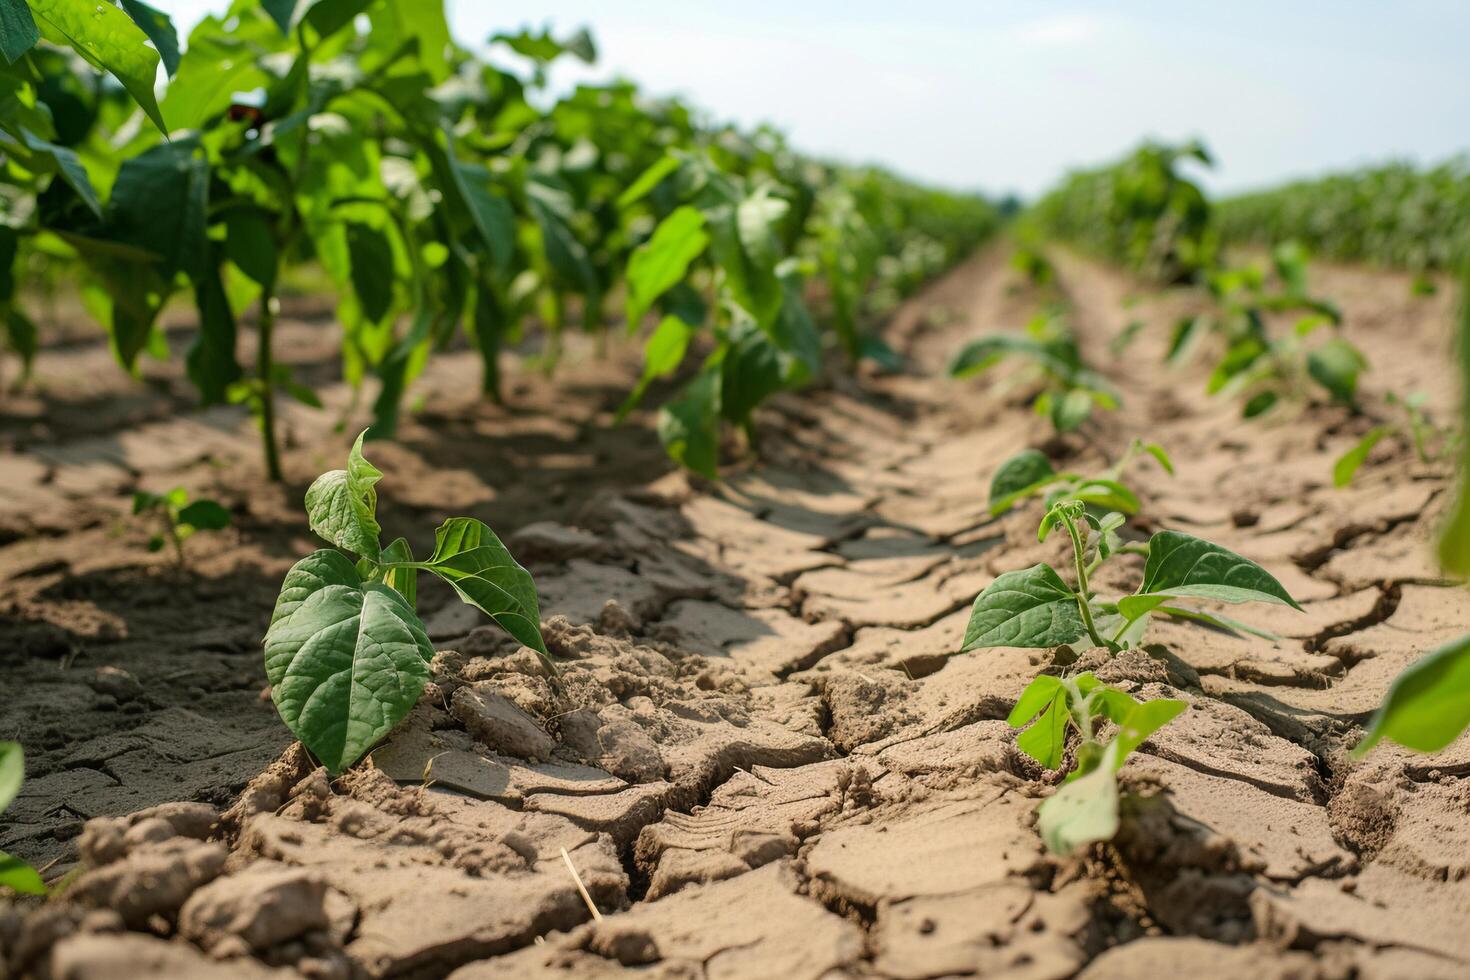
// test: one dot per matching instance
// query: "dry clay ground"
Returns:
(767, 761)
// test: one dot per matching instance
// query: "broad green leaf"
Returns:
(21, 337)
(12, 772)
(662, 354)
(752, 370)
(346, 659)
(469, 556)
(1020, 476)
(1347, 464)
(689, 425)
(1336, 366)
(1158, 452)
(205, 515)
(1183, 565)
(492, 214)
(159, 203)
(663, 261)
(1107, 494)
(283, 12)
(108, 39)
(399, 22)
(1428, 705)
(372, 269)
(160, 30)
(250, 244)
(18, 33)
(1082, 811)
(1028, 608)
(1140, 723)
(211, 359)
(1113, 704)
(19, 876)
(1259, 404)
(1046, 740)
(980, 354)
(67, 166)
(1071, 410)
(565, 254)
(341, 505)
(1038, 694)
(647, 181)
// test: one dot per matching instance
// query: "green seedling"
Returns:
(179, 518)
(1410, 424)
(1035, 607)
(1085, 809)
(1032, 263)
(1030, 474)
(346, 654)
(1427, 706)
(15, 874)
(1261, 370)
(1068, 389)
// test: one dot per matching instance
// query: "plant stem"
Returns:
(1082, 591)
(265, 368)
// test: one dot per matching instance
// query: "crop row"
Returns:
(441, 195)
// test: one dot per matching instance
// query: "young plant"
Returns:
(1035, 607)
(1030, 474)
(178, 518)
(1068, 389)
(1264, 370)
(1410, 424)
(15, 874)
(346, 654)
(1426, 708)
(1085, 809)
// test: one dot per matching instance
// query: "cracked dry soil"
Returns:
(766, 760)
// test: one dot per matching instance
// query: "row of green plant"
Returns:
(1397, 215)
(442, 196)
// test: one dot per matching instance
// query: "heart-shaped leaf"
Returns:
(347, 659)
(341, 505)
(1029, 608)
(469, 556)
(1020, 476)
(1182, 565)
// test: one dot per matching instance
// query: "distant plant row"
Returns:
(442, 195)
(1145, 212)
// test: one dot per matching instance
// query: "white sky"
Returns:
(1007, 96)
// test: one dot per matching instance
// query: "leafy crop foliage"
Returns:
(1029, 473)
(178, 517)
(1085, 809)
(1035, 607)
(1142, 212)
(346, 653)
(1262, 365)
(1067, 390)
(15, 874)
(439, 194)
(1428, 705)
(1396, 215)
